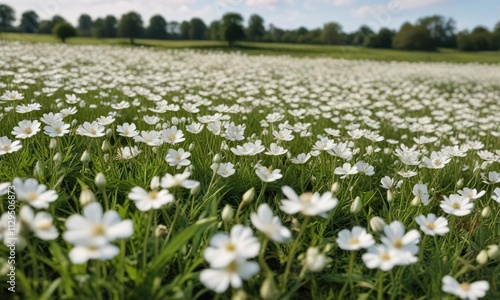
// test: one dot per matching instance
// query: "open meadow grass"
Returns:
(151, 173)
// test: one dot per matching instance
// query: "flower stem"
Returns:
(380, 289)
(294, 249)
(146, 237)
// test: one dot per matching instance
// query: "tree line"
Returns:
(426, 34)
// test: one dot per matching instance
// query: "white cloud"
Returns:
(341, 2)
(263, 3)
(394, 7)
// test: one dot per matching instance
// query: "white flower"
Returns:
(151, 138)
(195, 128)
(90, 129)
(381, 257)
(436, 161)
(154, 199)
(80, 254)
(270, 225)
(56, 128)
(302, 158)
(219, 279)
(308, 204)
(178, 158)
(465, 290)
(420, 190)
(395, 237)
(223, 169)
(172, 135)
(40, 224)
(346, 170)
(224, 248)
(496, 195)
(283, 135)
(249, 149)
(7, 146)
(457, 205)
(431, 225)
(126, 153)
(151, 120)
(315, 261)
(356, 239)
(365, 168)
(268, 174)
(170, 181)
(96, 229)
(128, 130)
(51, 118)
(11, 96)
(26, 129)
(276, 150)
(105, 120)
(472, 194)
(33, 193)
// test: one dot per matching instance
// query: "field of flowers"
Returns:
(135, 173)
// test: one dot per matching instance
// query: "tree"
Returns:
(110, 26)
(173, 29)
(185, 27)
(362, 36)
(130, 26)
(157, 28)
(64, 30)
(214, 31)
(98, 28)
(85, 25)
(47, 26)
(197, 29)
(7, 17)
(332, 33)
(383, 39)
(232, 27)
(414, 37)
(256, 29)
(29, 22)
(496, 37)
(442, 30)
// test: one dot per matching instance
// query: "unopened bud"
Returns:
(486, 212)
(85, 157)
(356, 205)
(105, 145)
(377, 224)
(249, 195)
(52, 143)
(415, 201)
(191, 147)
(390, 196)
(482, 257)
(86, 196)
(109, 132)
(335, 188)
(493, 251)
(227, 213)
(195, 190)
(161, 230)
(38, 172)
(460, 183)
(155, 182)
(100, 180)
(268, 289)
(216, 158)
(57, 158)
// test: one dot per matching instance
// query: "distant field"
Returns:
(347, 52)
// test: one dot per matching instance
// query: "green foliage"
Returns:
(157, 28)
(214, 31)
(29, 22)
(85, 25)
(64, 31)
(332, 34)
(7, 17)
(185, 29)
(255, 29)
(414, 37)
(197, 29)
(232, 27)
(130, 26)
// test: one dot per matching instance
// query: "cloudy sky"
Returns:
(282, 13)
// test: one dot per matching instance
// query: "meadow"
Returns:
(158, 173)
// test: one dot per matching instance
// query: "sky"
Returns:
(286, 14)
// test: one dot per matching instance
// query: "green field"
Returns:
(299, 50)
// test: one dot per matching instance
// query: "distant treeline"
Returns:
(427, 33)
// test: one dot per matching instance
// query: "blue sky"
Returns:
(282, 13)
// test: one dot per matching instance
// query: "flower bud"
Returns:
(460, 183)
(482, 257)
(239, 295)
(356, 205)
(105, 146)
(227, 213)
(175, 121)
(268, 289)
(57, 158)
(161, 230)
(415, 201)
(486, 212)
(191, 147)
(377, 224)
(38, 172)
(75, 121)
(86, 196)
(85, 157)
(109, 132)
(52, 143)
(100, 180)
(335, 188)
(493, 251)
(249, 195)
(390, 196)
(195, 190)
(216, 158)
(155, 182)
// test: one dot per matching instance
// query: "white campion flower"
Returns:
(225, 248)
(56, 129)
(249, 149)
(276, 150)
(127, 130)
(11, 96)
(26, 129)
(302, 158)
(154, 199)
(309, 204)
(365, 168)
(381, 257)
(40, 224)
(346, 170)
(270, 225)
(420, 190)
(93, 129)
(472, 194)
(150, 138)
(315, 261)
(105, 120)
(496, 195)
(283, 135)
(465, 290)
(195, 128)
(172, 135)
(33, 193)
(431, 225)
(355, 239)
(8, 146)
(223, 169)
(268, 174)
(178, 158)
(457, 205)
(219, 279)
(395, 237)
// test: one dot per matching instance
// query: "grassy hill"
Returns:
(346, 52)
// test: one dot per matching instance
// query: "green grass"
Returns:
(298, 50)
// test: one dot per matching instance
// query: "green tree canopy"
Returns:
(232, 27)
(7, 17)
(64, 30)
(85, 25)
(414, 37)
(256, 29)
(157, 28)
(185, 28)
(197, 29)
(130, 26)
(214, 31)
(332, 33)
(29, 22)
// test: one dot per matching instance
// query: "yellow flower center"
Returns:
(465, 286)
(93, 131)
(306, 197)
(6, 147)
(98, 230)
(232, 267)
(455, 205)
(171, 137)
(230, 247)
(28, 131)
(431, 226)
(32, 196)
(153, 194)
(354, 241)
(44, 225)
(385, 256)
(398, 243)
